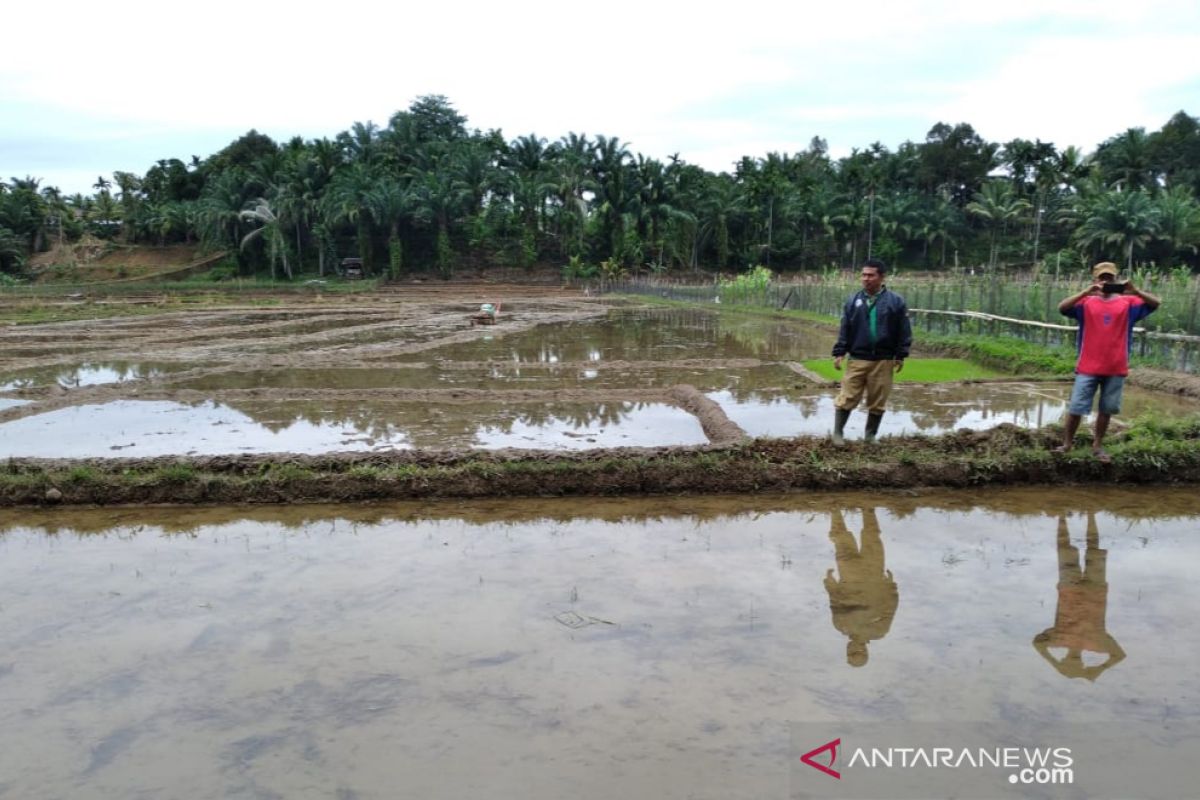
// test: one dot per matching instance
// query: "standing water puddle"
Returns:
(655, 335)
(155, 428)
(90, 374)
(646, 648)
(926, 409)
(498, 376)
(566, 386)
(334, 423)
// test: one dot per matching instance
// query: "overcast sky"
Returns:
(87, 88)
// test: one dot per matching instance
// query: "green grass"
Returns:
(1014, 356)
(918, 370)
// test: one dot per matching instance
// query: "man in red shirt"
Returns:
(1106, 312)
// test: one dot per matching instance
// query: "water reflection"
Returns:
(90, 374)
(863, 597)
(923, 409)
(153, 428)
(297, 651)
(652, 335)
(1079, 620)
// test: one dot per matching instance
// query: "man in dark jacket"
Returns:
(876, 334)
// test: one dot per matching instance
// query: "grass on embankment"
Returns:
(919, 370)
(1148, 451)
(1005, 357)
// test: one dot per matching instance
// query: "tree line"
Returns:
(426, 193)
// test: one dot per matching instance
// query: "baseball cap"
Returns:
(1105, 268)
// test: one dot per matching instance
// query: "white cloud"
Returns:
(1074, 91)
(712, 83)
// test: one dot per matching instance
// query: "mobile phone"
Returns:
(1113, 288)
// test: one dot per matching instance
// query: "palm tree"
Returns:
(724, 204)
(655, 206)
(104, 214)
(937, 225)
(1125, 160)
(388, 203)
(569, 181)
(130, 185)
(349, 200)
(271, 231)
(615, 195)
(1179, 221)
(1128, 220)
(438, 197)
(997, 205)
(220, 210)
(851, 214)
(25, 211)
(12, 251)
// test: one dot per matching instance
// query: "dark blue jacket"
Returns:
(891, 323)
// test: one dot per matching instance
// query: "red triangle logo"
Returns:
(832, 747)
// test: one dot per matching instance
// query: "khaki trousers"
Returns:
(872, 377)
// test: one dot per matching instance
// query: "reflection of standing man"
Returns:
(1082, 604)
(876, 334)
(864, 597)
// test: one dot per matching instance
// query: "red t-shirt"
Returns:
(1106, 332)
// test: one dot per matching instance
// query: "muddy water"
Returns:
(155, 428)
(640, 335)
(926, 409)
(584, 379)
(90, 374)
(501, 376)
(650, 648)
(345, 423)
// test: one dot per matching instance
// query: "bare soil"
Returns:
(92, 260)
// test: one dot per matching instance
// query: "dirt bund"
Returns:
(1005, 455)
(1158, 380)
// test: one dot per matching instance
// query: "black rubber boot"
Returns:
(873, 421)
(839, 426)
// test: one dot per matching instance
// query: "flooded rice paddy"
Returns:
(555, 373)
(546, 649)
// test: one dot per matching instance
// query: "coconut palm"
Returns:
(220, 210)
(130, 186)
(270, 230)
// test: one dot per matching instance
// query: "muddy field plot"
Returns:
(402, 369)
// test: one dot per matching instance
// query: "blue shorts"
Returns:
(1082, 394)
